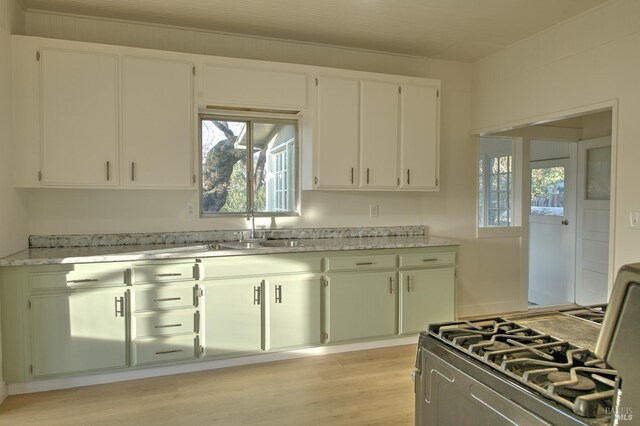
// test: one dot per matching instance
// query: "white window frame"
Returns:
(504, 146)
(250, 118)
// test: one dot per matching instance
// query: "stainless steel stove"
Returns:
(533, 369)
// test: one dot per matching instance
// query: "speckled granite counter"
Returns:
(141, 252)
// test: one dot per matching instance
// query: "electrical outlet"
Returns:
(634, 220)
(373, 210)
(191, 210)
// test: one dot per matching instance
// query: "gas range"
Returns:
(544, 362)
(569, 375)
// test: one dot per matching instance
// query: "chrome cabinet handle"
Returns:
(256, 295)
(133, 171)
(367, 175)
(108, 170)
(408, 283)
(391, 285)
(168, 326)
(352, 175)
(278, 294)
(433, 259)
(169, 274)
(119, 306)
(364, 263)
(86, 280)
(173, 351)
(167, 299)
(408, 176)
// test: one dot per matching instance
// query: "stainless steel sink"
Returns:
(238, 245)
(281, 243)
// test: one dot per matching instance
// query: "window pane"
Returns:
(495, 182)
(547, 191)
(599, 173)
(274, 166)
(224, 178)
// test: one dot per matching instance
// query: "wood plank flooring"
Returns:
(371, 387)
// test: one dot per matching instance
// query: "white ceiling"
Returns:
(463, 30)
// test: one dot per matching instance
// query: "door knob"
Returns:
(565, 222)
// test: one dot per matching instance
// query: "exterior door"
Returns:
(552, 231)
(592, 254)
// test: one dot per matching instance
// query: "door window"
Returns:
(547, 191)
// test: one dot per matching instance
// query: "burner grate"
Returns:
(569, 375)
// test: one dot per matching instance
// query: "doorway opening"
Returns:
(566, 193)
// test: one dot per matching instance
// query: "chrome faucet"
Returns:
(252, 216)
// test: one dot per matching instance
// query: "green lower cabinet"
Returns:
(361, 305)
(233, 316)
(78, 331)
(426, 296)
(293, 315)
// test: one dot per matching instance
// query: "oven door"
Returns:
(447, 396)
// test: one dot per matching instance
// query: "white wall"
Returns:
(588, 60)
(13, 223)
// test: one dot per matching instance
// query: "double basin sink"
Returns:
(253, 244)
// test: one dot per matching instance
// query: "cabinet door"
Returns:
(79, 118)
(427, 296)
(419, 133)
(157, 124)
(293, 317)
(379, 139)
(233, 316)
(78, 331)
(361, 305)
(337, 134)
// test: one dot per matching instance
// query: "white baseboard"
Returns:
(96, 379)
(4, 392)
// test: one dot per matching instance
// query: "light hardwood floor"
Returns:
(371, 387)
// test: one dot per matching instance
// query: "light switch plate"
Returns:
(634, 220)
(373, 210)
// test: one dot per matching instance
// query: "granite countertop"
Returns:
(187, 250)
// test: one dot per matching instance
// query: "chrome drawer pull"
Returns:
(170, 274)
(169, 352)
(168, 325)
(434, 259)
(167, 299)
(364, 263)
(86, 280)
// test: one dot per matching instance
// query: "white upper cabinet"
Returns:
(376, 132)
(79, 126)
(157, 123)
(419, 138)
(257, 86)
(337, 132)
(379, 140)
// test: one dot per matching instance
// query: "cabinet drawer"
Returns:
(425, 260)
(165, 297)
(150, 351)
(167, 324)
(361, 263)
(80, 275)
(164, 273)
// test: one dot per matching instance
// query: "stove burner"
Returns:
(574, 387)
(557, 369)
